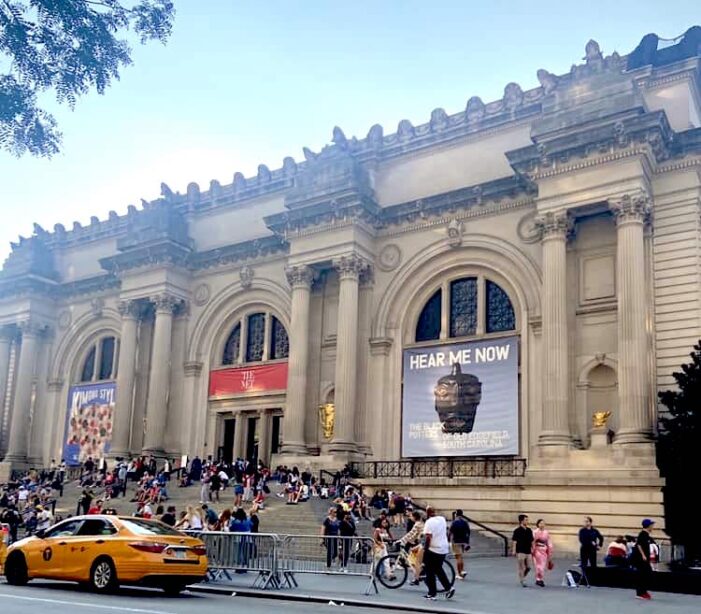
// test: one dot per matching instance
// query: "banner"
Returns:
(254, 378)
(461, 399)
(89, 422)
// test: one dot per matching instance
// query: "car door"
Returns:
(92, 539)
(45, 555)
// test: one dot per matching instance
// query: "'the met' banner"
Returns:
(461, 399)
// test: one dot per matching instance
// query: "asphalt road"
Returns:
(58, 598)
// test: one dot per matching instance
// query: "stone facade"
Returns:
(579, 199)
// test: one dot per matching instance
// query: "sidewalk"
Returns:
(491, 588)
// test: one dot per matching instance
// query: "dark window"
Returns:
(231, 348)
(107, 358)
(141, 526)
(463, 307)
(276, 435)
(428, 327)
(88, 366)
(279, 342)
(256, 337)
(65, 529)
(96, 527)
(500, 311)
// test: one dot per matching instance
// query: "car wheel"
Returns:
(16, 569)
(103, 575)
(173, 588)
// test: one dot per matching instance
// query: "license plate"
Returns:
(180, 554)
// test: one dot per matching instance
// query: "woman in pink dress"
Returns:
(542, 551)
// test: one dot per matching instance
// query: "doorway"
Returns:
(251, 441)
(227, 453)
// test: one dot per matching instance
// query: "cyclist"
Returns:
(411, 542)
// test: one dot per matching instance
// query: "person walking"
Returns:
(329, 531)
(641, 560)
(542, 552)
(459, 535)
(590, 541)
(436, 548)
(522, 544)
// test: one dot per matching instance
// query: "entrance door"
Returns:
(229, 431)
(251, 443)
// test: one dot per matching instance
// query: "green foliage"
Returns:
(69, 47)
(678, 451)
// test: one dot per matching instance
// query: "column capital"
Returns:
(192, 368)
(129, 309)
(554, 225)
(300, 276)
(32, 328)
(351, 266)
(166, 303)
(631, 208)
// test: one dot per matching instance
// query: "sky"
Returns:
(246, 82)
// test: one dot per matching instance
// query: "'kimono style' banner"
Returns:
(89, 422)
(254, 378)
(461, 399)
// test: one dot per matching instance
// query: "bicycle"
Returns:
(392, 569)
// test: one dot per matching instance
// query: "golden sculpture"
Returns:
(327, 417)
(600, 419)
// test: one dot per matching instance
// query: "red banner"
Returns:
(241, 380)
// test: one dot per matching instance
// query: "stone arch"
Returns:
(76, 340)
(413, 285)
(597, 390)
(213, 325)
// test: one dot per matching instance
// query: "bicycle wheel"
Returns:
(449, 571)
(391, 572)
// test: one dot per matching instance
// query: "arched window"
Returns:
(101, 361)
(255, 338)
(475, 306)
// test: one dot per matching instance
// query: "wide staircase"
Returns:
(276, 517)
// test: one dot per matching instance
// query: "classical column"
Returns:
(240, 435)
(631, 213)
(19, 427)
(159, 380)
(121, 428)
(264, 433)
(554, 228)
(193, 416)
(7, 335)
(349, 270)
(300, 279)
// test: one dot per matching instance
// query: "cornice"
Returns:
(240, 252)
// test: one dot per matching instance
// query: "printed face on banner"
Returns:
(461, 399)
(89, 422)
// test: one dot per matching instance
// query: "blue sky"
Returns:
(247, 82)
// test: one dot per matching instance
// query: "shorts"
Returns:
(460, 548)
(238, 489)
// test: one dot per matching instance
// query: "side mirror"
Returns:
(40, 534)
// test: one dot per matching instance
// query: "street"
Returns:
(67, 598)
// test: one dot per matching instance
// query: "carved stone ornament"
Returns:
(390, 257)
(202, 294)
(166, 303)
(454, 229)
(475, 109)
(631, 208)
(439, 120)
(554, 224)
(246, 276)
(547, 80)
(513, 96)
(96, 307)
(527, 229)
(350, 266)
(128, 309)
(64, 319)
(299, 276)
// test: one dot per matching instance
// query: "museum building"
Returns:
(478, 310)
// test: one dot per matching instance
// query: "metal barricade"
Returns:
(229, 553)
(314, 554)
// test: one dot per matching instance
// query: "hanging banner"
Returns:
(461, 399)
(89, 422)
(254, 378)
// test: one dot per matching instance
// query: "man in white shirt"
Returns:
(436, 548)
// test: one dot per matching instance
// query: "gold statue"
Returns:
(600, 419)
(327, 417)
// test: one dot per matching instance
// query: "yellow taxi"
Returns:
(106, 551)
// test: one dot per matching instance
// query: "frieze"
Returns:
(247, 250)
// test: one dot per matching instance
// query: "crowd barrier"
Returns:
(276, 559)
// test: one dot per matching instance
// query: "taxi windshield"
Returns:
(145, 527)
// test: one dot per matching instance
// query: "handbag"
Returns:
(551, 565)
